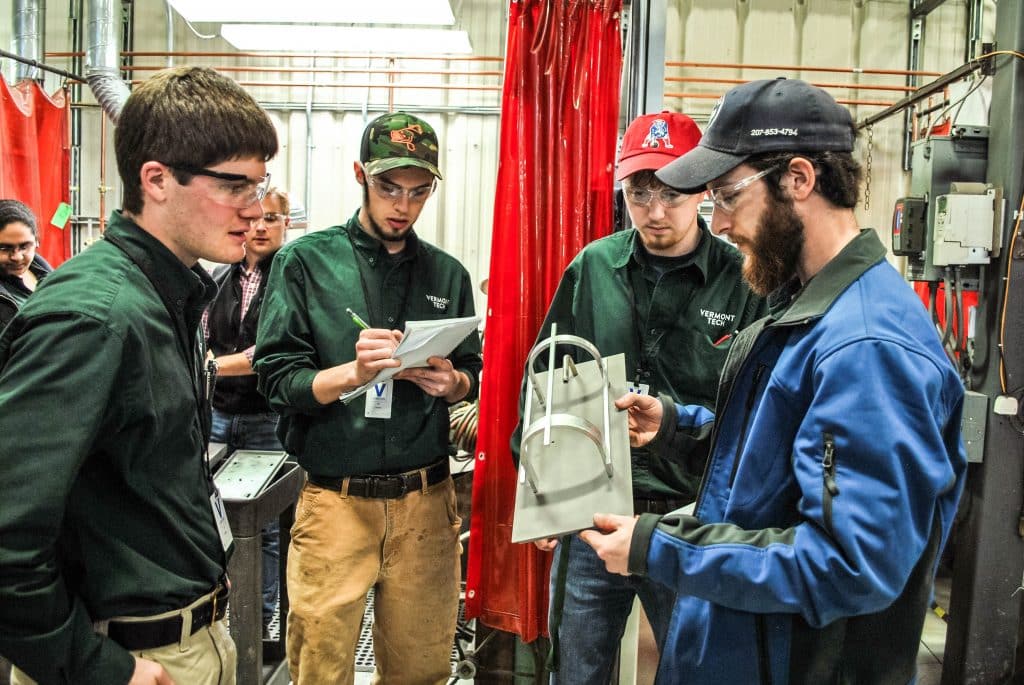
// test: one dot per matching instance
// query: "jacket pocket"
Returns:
(829, 487)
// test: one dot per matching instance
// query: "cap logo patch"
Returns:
(714, 111)
(404, 136)
(756, 132)
(657, 136)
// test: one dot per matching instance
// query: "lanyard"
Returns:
(373, 315)
(639, 288)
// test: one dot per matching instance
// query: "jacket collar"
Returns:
(635, 249)
(369, 245)
(38, 266)
(263, 265)
(794, 304)
(186, 288)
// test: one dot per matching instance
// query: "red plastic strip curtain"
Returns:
(559, 124)
(35, 159)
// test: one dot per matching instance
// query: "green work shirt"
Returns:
(106, 506)
(304, 328)
(674, 328)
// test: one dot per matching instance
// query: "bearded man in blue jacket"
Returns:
(836, 460)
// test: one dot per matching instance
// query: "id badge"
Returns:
(639, 388)
(378, 400)
(221, 517)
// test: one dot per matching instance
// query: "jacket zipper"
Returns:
(764, 665)
(828, 477)
(748, 409)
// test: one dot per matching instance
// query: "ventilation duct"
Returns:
(27, 38)
(101, 57)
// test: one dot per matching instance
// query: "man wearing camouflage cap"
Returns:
(378, 509)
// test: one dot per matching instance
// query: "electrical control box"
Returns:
(963, 228)
(909, 226)
(938, 163)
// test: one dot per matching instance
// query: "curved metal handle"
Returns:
(567, 421)
(562, 420)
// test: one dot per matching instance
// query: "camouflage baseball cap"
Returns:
(398, 140)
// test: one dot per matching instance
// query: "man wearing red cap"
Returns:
(670, 296)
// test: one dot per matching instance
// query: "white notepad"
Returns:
(422, 340)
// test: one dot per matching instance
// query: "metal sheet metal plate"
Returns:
(247, 472)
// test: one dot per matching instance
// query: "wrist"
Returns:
(460, 389)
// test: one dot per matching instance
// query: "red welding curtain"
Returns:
(559, 122)
(35, 158)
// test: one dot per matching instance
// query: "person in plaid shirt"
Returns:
(241, 416)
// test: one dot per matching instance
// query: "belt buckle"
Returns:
(372, 486)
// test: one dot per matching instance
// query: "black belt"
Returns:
(385, 487)
(656, 506)
(140, 635)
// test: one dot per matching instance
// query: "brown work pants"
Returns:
(407, 550)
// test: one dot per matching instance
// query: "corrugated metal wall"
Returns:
(865, 34)
(832, 33)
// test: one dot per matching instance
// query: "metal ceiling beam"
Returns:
(925, 7)
(924, 91)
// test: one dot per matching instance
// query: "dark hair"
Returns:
(188, 116)
(645, 178)
(838, 174)
(12, 211)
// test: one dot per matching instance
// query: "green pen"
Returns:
(356, 320)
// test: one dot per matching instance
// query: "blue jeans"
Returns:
(256, 432)
(597, 604)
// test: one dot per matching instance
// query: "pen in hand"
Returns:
(356, 319)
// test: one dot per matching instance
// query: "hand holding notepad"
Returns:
(422, 340)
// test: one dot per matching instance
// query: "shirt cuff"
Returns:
(641, 543)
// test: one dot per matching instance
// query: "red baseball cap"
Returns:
(654, 140)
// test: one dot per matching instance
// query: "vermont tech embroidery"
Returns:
(717, 319)
(439, 302)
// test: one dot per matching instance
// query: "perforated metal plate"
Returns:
(247, 472)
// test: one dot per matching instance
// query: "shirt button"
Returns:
(653, 331)
(391, 319)
(372, 261)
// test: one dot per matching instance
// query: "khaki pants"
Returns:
(407, 549)
(209, 658)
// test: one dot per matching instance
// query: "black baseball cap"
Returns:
(770, 115)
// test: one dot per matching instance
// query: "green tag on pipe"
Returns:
(61, 216)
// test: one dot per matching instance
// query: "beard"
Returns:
(378, 231)
(775, 249)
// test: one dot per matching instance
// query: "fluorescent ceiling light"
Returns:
(290, 37)
(416, 12)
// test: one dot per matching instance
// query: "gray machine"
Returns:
(948, 219)
(258, 486)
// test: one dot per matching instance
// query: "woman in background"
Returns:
(21, 269)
